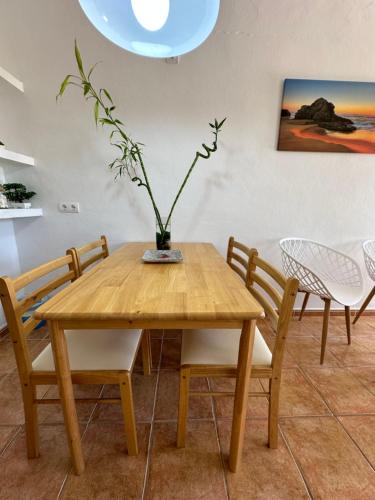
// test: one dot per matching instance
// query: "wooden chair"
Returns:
(80, 264)
(83, 263)
(96, 356)
(214, 353)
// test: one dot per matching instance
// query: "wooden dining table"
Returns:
(122, 291)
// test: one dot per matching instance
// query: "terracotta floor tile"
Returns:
(343, 393)
(188, 473)
(298, 396)
(110, 472)
(362, 430)
(168, 393)
(7, 356)
(172, 334)
(157, 334)
(264, 473)
(155, 352)
(366, 375)
(306, 352)
(41, 333)
(52, 414)
(143, 395)
(7, 433)
(40, 477)
(11, 406)
(171, 355)
(304, 328)
(352, 355)
(331, 463)
(256, 407)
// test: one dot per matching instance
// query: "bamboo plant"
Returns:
(129, 160)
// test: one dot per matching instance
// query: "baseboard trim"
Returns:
(334, 312)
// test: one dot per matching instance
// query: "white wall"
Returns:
(9, 261)
(248, 189)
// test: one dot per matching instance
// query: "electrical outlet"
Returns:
(69, 207)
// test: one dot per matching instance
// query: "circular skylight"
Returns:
(154, 28)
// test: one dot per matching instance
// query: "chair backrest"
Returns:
(369, 254)
(314, 263)
(270, 288)
(84, 261)
(63, 270)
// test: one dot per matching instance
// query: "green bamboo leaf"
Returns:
(222, 122)
(96, 111)
(63, 86)
(107, 95)
(86, 88)
(78, 57)
(91, 70)
(105, 121)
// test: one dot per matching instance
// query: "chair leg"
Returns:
(183, 406)
(364, 305)
(146, 352)
(304, 304)
(31, 420)
(273, 413)
(327, 306)
(128, 411)
(347, 320)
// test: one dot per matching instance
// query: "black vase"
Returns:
(163, 235)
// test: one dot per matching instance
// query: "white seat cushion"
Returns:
(95, 350)
(220, 347)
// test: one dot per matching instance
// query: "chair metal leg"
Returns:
(273, 413)
(364, 305)
(183, 406)
(146, 352)
(347, 320)
(128, 411)
(304, 304)
(31, 421)
(327, 306)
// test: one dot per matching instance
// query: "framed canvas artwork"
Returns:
(327, 116)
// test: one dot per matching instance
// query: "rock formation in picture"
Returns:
(323, 113)
(285, 113)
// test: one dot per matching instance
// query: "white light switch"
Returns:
(69, 207)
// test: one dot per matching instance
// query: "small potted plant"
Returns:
(17, 194)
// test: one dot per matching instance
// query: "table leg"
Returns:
(242, 393)
(64, 379)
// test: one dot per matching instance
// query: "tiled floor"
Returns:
(327, 430)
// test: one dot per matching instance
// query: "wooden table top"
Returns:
(201, 288)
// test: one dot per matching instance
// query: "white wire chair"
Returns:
(324, 272)
(369, 255)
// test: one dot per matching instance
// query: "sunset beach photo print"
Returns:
(327, 116)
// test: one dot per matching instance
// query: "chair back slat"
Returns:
(33, 275)
(238, 270)
(272, 292)
(14, 307)
(80, 262)
(26, 303)
(243, 260)
(270, 270)
(269, 310)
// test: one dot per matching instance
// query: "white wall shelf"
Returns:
(20, 213)
(11, 156)
(11, 79)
